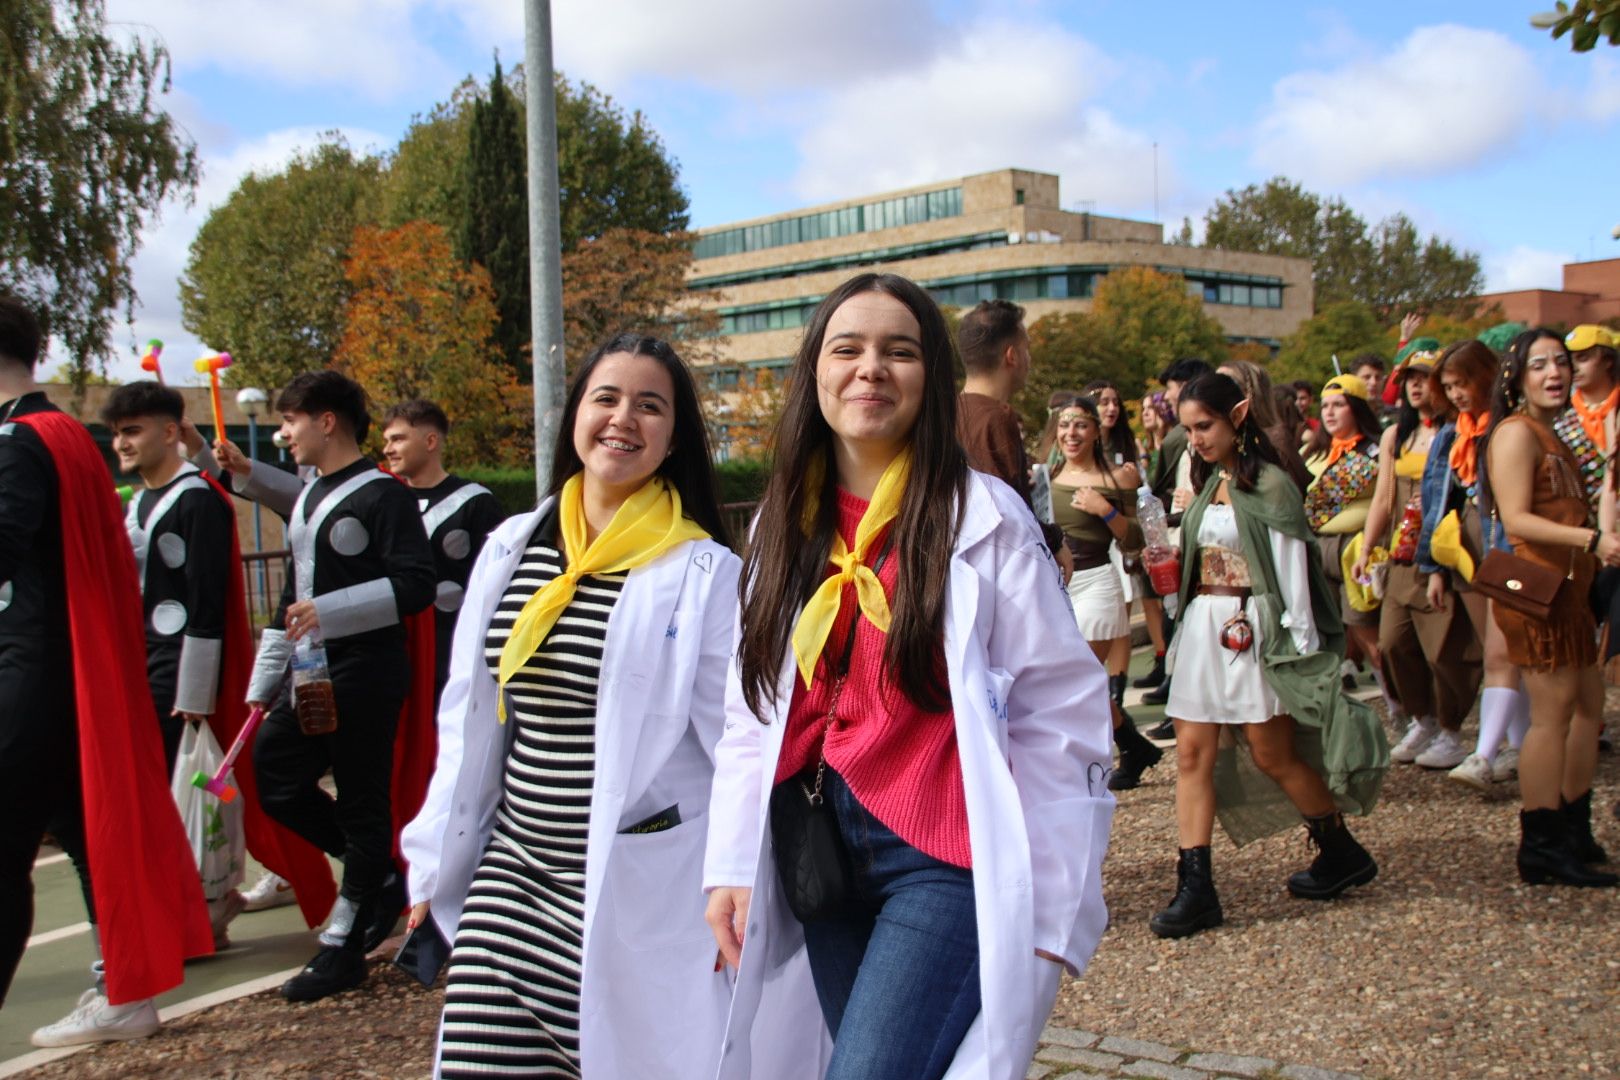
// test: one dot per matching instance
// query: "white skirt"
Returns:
(1099, 603)
(1212, 684)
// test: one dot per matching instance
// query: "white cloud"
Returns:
(165, 245)
(1414, 111)
(1525, 267)
(764, 45)
(1602, 99)
(1003, 95)
(368, 46)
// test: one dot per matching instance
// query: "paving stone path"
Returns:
(1071, 1054)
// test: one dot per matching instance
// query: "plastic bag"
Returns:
(214, 828)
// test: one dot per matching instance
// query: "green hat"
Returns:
(1500, 336)
(1419, 344)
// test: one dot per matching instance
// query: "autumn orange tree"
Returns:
(420, 323)
(632, 281)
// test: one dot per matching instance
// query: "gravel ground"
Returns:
(1444, 966)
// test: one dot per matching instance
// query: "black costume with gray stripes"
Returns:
(360, 553)
(181, 533)
(458, 516)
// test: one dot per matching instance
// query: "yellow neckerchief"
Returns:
(819, 614)
(645, 526)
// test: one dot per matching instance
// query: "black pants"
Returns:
(357, 826)
(163, 674)
(39, 783)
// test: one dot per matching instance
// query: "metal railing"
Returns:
(264, 573)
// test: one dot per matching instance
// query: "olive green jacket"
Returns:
(1339, 737)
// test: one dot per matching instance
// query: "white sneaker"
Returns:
(1445, 752)
(1506, 765)
(1474, 771)
(270, 891)
(95, 1021)
(1415, 741)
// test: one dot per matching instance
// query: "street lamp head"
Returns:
(252, 401)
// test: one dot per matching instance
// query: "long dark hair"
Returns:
(1508, 393)
(688, 467)
(1119, 439)
(1219, 395)
(1099, 448)
(1367, 426)
(1408, 418)
(786, 558)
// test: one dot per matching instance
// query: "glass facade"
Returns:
(867, 217)
(897, 253)
(1241, 290)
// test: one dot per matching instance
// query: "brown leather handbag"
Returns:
(1527, 587)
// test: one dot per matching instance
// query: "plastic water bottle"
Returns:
(1159, 556)
(313, 699)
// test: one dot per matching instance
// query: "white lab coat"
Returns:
(1033, 729)
(651, 1004)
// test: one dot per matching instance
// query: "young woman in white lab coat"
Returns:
(904, 632)
(561, 842)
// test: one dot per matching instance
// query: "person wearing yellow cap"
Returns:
(1533, 482)
(1426, 650)
(1588, 426)
(558, 852)
(1343, 457)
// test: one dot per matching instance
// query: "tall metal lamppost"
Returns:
(254, 402)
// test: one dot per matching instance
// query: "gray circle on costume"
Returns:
(172, 550)
(7, 591)
(169, 617)
(457, 544)
(448, 596)
(349, 537)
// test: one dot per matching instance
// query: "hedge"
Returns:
(741, 481)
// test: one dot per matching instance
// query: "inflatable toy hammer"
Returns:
(149, 360)
(212, 366)
(216, 785)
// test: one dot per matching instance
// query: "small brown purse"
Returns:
(1527, 587)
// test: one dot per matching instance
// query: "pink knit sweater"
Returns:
(900, 761)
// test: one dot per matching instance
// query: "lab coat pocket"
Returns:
(656, 881)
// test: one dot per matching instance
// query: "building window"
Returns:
(1018, 196)
(883, 214)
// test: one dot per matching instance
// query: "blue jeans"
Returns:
(898, 975)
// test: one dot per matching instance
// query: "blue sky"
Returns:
(1460, 115)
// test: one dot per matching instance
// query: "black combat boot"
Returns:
(1154, 677)
(1195, 906)
(1340, 861)
(1547, 856)
(341, 963)
(1136, 755)
(1578, 823)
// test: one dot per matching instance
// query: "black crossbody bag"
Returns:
(812, 863)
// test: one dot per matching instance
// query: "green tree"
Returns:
(1342, 329)
(495, 214)
(423, 178)
(1388, 266)
(612, 170)
(1139, 323)
(265, 277)
(1586, 23)
(86, 156)
(628, 281)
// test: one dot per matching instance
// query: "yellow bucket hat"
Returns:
(1446, 546)
(1361, 595)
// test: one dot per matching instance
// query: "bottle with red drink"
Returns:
(313, 699)
(1159, 557)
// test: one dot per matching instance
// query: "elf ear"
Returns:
(1240, 413)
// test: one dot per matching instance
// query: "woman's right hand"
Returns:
(418, 916)
(727, 916)
(1437, 591)
(1608, 549)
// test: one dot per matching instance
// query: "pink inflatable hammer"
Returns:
(212, 366)
(216, 785)
(149, 359)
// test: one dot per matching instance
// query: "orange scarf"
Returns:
(1342, 447)
(1464, 454)
(1593, 416)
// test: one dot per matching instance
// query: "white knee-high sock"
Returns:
(1519, 724)
(1495, 716)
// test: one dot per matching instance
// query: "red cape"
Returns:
(149, 900)
(275, 846)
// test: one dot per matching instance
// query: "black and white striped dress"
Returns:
(512, 997)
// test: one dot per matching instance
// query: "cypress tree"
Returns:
(495, 214)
